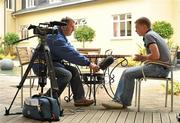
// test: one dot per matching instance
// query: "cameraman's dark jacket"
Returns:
(61, 50)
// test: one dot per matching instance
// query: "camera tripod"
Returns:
(41, 47)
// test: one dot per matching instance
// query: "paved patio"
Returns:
(152, 105)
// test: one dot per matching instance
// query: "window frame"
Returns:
(118, 21)
(54, 1)
(8, 5)
(31, 5)
(80, 22)
(24, 31)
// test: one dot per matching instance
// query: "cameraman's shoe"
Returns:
(83, 102)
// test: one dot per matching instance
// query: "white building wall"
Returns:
(99, 17)
(1, 20)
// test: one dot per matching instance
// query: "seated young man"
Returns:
(157, 50)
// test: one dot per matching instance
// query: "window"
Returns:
(41, 2)
(80, 22)
(53, 1)
(24, 31)
(9, 4)
(122, 24)
(30, 3)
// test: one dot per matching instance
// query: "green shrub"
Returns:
(2, 56)
(1, 50)
(84, 33)
(176, 88)
(163, 28)
(10, 40)
(131, 62)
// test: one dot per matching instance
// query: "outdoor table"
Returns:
(119, 60)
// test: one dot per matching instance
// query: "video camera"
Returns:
(47, 28)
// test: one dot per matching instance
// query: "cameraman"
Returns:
(61, 49)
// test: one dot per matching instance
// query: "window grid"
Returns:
(9, 4)
(24, 31)
(80, 22)
(54, 1)
(30, 3)
(122, 25)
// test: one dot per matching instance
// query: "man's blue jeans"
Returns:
(125, 89)
(64, 75)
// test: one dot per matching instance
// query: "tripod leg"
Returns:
(51, 72)
(53, 81)
(22, 81)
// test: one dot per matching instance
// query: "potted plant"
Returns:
(10, 40)
(84, 33)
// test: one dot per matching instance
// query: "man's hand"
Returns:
(139, 57)
(94, 67)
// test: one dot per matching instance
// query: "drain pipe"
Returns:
(4, 18)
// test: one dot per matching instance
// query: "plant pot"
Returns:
(6, 64)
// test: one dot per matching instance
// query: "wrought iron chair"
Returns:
(24, 55)
(85, 72)
(168, 78)
(92, 79)
(88, 78)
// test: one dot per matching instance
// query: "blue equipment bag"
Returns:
(41, 108)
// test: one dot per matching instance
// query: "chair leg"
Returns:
(90, 91)
(94, 88)
(68, 97)
(166, 96)
(21, 96)
(172, 91)
(136, 82)
(30, 87)
(69, 93)
(139, 94)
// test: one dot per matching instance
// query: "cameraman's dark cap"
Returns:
(57, 23)
(67, 20)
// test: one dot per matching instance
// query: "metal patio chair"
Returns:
(170, 78)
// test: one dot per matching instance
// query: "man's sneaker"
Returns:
(83, 102)
(112, 105)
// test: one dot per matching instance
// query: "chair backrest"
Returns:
(173, 52)
(108, 52)
(90, 51)
(23, 55)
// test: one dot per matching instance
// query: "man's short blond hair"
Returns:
(144, 21)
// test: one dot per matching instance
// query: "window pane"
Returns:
(115, 29)
(122, 29)
(128, 16)
(7, 3)
(40, 2)
(10, 4)
(23, 4)
(115, 18)
(128, 28)
(122, 17)
(122, 25)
